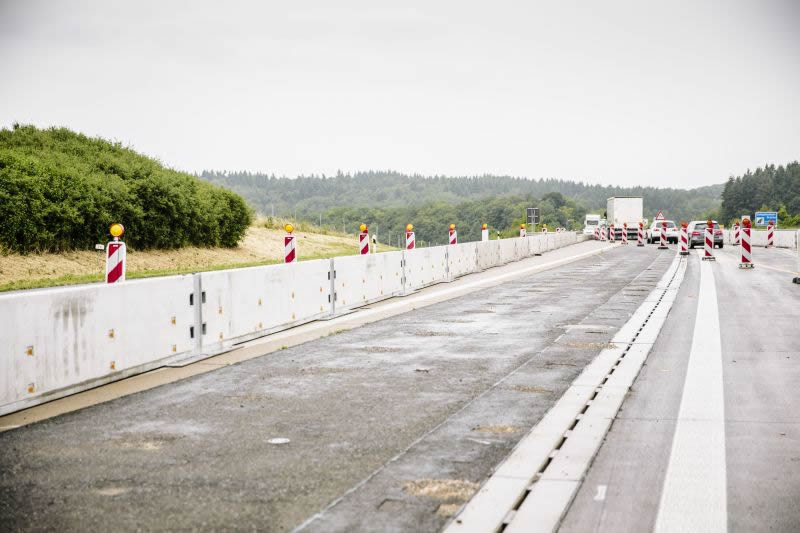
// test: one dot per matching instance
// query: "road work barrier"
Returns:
(786, 238)
(747, 257)
(55, 342)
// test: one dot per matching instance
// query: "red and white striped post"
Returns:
(544, 229)
(363, 240)
(708, 242)
(747, 257)
(453, 234)
(603, 234)
(289, 245)
(597, 232)
(611, 235)
(662, 238)
(624, 233)
(770, 234)
(410, 237)
(736, 234)
(484, 232)
(684, 238)
(116, 252)
(522, 231)
(640, 235)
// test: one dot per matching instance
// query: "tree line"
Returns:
(309, 196)
(769, 188)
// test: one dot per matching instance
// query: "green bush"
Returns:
(60, 190)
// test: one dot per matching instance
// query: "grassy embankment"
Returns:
(262, 245)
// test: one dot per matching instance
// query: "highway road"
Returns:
(394, 425)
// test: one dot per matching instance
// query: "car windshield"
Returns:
(591, 222)
(657, 224)
(702, 226)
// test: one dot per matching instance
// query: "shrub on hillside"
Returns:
(60, 190)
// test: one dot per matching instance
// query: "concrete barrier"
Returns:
(360, 280)
(786, 238)
(55, 342)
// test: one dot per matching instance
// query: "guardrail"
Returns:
(56, 342)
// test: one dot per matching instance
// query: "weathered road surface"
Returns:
(372, 415)
(734, 462)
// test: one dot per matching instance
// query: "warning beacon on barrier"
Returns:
(484, 232)
(453, 234)
(363, 239)
(289, 245)
(708, 241)
(115, 255)
(747, 257)
(522, 231)
(410, 242)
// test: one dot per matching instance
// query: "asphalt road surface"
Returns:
(394, 425)
(749, 480)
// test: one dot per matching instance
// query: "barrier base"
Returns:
(746, 265)
(796, 280)
(663, 247)
(640, 244)
(709, 259)
(684, 253)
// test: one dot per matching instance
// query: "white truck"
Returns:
(590, 223)
(622, 210)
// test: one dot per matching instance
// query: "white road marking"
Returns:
(601, 493)
(694, 497)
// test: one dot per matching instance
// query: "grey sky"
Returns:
(664, 93)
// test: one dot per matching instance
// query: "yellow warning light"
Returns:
(484, 226)
(522, 226)
(363, 227)
(117, 230)
(410, 227)
(289, 228)
(452, 226)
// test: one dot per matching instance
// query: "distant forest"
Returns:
(392, 199)
(767, 189)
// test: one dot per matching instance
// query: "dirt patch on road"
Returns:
(497, 428)
(458, 490)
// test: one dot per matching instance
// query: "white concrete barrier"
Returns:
(425, 266)
(462, 259)
(786, 238)
(360, 280)
(55, 342)
(244, 303)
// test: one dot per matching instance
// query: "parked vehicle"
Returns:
(622, 210)
(653, 234)
(590, 223)
(696, 230)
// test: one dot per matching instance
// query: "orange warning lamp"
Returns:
(746, 223)
(522, 226)
(710, 223)
(289, 228)
(452, 226)
(484, 226)
(363, 228)
(684, 224)
(410, 227)
(117, 230)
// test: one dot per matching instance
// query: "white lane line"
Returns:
(694, 497)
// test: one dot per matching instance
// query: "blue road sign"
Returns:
(763, 218)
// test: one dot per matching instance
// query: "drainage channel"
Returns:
(532, 489)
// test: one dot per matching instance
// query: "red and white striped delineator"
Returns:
(611, 235)
(684, 240)
(640, 235)
(662, 239)
(708, 243)
(624, 233)
(736, 234)
(363, 243)
(453, 236)
(770, 235)
(522, 232)
(597, 233)
(747, 256)
(115, 261)
(410, 240)
(603, 234)
(289, 249)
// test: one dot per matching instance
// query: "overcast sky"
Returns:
(680, 93)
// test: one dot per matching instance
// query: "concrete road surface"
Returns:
(389, 427)
(750, 479)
